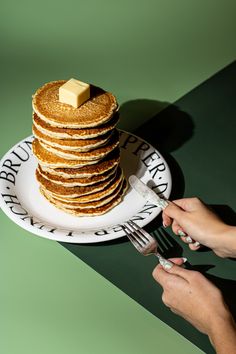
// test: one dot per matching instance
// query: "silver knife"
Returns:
(146, 192)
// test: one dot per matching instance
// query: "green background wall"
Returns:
(137, 49)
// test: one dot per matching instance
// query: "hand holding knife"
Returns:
(148, 194)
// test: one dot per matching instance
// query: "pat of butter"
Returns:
(74, 92)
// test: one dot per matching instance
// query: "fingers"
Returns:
(194, 246)
(177, 270)
(188, 204)
(176, 208)
(177, 229)
(173, 211)
(175, 215)
(178, 261)
(162, 276)
(166, 220)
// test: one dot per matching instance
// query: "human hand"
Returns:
(193, 297)
(193, 217)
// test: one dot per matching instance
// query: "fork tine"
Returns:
(137, 234)
(142, 233)
(131, 238)
(134, 235)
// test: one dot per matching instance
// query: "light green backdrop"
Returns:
(50, 301)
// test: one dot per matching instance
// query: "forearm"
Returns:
(223, 336)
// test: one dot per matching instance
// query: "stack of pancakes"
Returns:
(78, 151)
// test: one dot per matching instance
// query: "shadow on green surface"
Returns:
(227, 214)
(167, 130)
(165, 126)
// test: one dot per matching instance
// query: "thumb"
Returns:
(178, 261)
(168, 264)
(176, 268)
(162, 274)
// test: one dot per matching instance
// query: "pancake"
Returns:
(106, 164)
(97, 110)
(94, 154)
(49, 159)
(67, 133)
(78, 191)
(91, 205)
(72, 144)
(99, 210)
(72, 182)
(89, 197)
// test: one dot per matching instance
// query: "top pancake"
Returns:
(97, 110)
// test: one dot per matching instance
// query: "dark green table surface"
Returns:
(197, 136)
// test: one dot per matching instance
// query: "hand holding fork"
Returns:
(144, 242)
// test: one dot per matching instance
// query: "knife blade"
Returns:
(146, 192)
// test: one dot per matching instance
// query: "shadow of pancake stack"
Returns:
(78, 151)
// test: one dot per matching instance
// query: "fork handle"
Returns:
(165, 263)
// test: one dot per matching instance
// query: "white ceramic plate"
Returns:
(22, 202)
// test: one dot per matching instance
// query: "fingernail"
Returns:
(166, 264)
(184, 259)
(181, 233)
(189, 239)
(196, 244)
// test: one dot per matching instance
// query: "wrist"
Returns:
(231, 241)
(223, 328)
(226, 245)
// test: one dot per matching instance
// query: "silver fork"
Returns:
(144, 242)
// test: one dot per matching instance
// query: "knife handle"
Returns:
(163, 203)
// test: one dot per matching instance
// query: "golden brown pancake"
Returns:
(72, 144)
(109, 162)
(78, 191)
(49, 159)
(94, 154)
(89, 197)
(96, 111)
(99, 210)
(67, 133)
(93, 204)
(72, 182)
